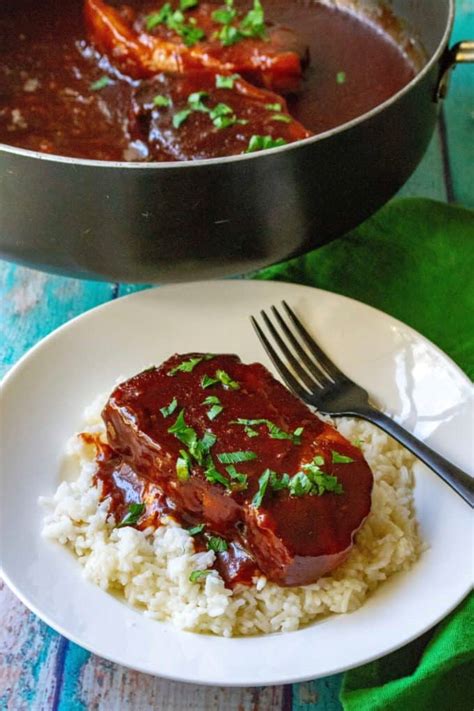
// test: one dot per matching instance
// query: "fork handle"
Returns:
(455, 477)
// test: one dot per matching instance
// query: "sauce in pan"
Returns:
(60, 95)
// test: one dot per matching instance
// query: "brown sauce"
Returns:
(47, 67)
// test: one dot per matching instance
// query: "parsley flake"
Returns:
(169, 409)
(131, 518)
(262, 488)
(197, 575)
(274, 431)
(273, 107)
(261, 143)
(217, 544)
(226, 81)
(161, 101)
(214, 476)
(216, 408)
(340, 458)
(241, 480)
(183, 465)
(236, 457)
(180, 117)
(198, 448)
(186, 366)
(100, 83)
(220, 377)
(300, 484)
(341, 77)
(283, 118)
(196, 530)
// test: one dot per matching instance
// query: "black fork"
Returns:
(318, 381)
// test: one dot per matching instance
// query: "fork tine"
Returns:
(287, 376)
(331, 369)
(310, 383)
(315, 370)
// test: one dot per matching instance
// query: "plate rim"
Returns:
(209, 681)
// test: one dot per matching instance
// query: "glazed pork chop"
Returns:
(234, 452)
(207, 36)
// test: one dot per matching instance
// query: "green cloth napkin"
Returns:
(414, 259)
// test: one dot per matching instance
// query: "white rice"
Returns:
(151, 568)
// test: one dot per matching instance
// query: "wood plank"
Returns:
(92, 683)
(459, 113)
(28, 654)
(318, 695)
(34, 303)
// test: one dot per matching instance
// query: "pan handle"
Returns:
(460, 53)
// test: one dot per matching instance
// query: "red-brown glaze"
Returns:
(48, 65)
(294, 540)
(122, 486)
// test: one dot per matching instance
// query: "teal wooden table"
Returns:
(39, 669)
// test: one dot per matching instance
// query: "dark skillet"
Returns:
(207, 218)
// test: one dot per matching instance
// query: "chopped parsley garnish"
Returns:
(195, 101)
(273, 107)
(236, 457)
(216, 408)
(131, 518)
(240, 479)
(226, 82)
(226, 380)
(260, 143)
(183, 465)
(262, 488)
(225, 15)
(220, 377)
(186, 366)
(180, 117)
(358, 442)
(252, 25)
(340, 458)
(175, 20)
(320, 481)
(198, 448)
(198, 575)
(196, 530)
(221, 115)
(341, 77)
(214, 476)
(217, 544)
(312, 480)
(100, 83)
(169, 409)
(229, 35)
(188, 4)
(207, 381)
(284, 118)
(158, 18)
(161, 101)
(279, 484)
(274, 431)
(300, 484)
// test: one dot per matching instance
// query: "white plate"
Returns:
(43, 399)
